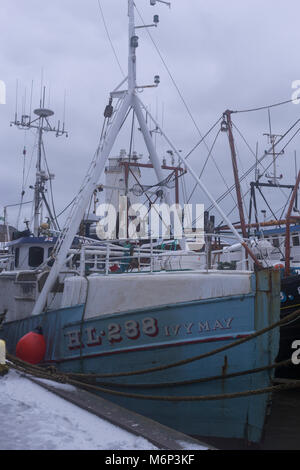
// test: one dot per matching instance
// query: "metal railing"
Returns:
(110, 257)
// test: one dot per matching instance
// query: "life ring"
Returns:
(279, 266)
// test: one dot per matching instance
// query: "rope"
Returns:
(4, 369)
(195, 381)
(52, 374)
(259, 161)
(109, 39)
(265, 107)
(173, 81)
(202, 139)
(36, 369)
(226, 396)
(204, 166)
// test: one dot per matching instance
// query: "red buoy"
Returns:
(32, 347)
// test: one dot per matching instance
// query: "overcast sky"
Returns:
(233, 54)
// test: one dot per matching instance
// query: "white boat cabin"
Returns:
(28, 253)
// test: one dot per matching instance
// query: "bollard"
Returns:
(2, 353)
(3, 366)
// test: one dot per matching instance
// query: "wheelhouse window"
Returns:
(296, 240)
(36, 256)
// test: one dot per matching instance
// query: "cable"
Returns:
(265, 107)
(206, 161)
(110, 40)
(66, 208)
(200, 142)
(23, 184)
(253, 166)
(172, 79)
(224, 195)
(51, 187)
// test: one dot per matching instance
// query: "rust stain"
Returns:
(225, 366)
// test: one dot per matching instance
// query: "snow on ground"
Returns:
(34, 419)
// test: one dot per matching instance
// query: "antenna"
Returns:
(42, 80)
(41, 122)
(272, 139)
(17, 96)
(257, 172)
(31, 92)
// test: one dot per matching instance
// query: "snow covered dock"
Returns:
(50, 416)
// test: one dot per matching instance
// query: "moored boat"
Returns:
(175, 335)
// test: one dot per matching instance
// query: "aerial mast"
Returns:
(133, 44)
(273, 178)
(42, 124)
(127, 99)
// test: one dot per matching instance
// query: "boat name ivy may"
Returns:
(133, 330)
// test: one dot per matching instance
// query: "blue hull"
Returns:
(143, 339)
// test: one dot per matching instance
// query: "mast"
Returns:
(42, 124)
(273, 140)
(133, 44)
(38, 182)
(227, 114)
(114, 120)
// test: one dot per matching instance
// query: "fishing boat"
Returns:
(177, 345)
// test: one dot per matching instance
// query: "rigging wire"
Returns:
(260, 177)
(23, 192)
(185, 104)
(66, 208)
(244, 139)
(206, 161)
(288, 199)
(218, 170)
(265, 107)
(172, 79)
(51, 187)
(31, 158)
(224, 195)
(202, 139)
(109, 39)
(183, 101)
(264, 170)
(253, 166)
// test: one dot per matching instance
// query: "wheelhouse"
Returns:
(30, 252)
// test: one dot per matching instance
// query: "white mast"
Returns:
(128, 100)
(133, 42)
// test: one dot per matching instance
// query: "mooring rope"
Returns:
(292, 385)
(287, 319)
(191, 382)
(51, 373)
(239, 342)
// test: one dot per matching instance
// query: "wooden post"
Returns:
(236, 174)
